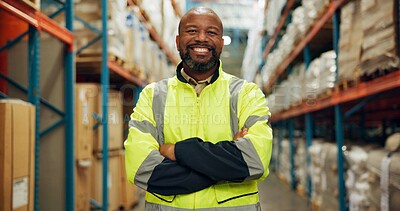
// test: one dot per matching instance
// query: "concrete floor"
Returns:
(274, 196)
(277, 196)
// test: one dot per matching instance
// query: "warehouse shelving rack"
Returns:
(108, 64)
(37, 22)
(354, 98)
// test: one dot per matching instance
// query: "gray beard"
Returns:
(198, 66)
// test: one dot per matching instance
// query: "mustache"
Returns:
(200, 45)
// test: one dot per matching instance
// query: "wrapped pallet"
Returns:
(357, 176)
(330, 177)
(323, 171)
(301, 165)
(316, 171)
(154, 10)
(351, 37)
(284, 162)
(118, 24)
(320, 76)
(314, 8)
(384, 179)
(379, 47)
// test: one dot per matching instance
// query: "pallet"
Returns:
(316, 205)
(116, 59)
(298, 103)
(327, 93)
(377, 74)
(301, 191)
(35, 4)
(346, 84)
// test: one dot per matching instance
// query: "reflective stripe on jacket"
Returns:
(211, 170)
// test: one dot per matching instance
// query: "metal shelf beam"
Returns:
(282, 20)
(333, 6)
(38, 20)
(177, 10)
(113, 66)
(363, 89)
(154, 34)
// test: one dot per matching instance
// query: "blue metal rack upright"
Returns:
(339, 120)
(33, 97)
(309, 126)
(38, 21)
(69, 116)
(104, 91)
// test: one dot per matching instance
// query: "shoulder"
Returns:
(242, 83)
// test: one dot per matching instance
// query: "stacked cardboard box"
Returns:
(380, 45)
(129, 192)
(89, 146)
(113, 182)
(85, 104)
(351, 37)
(114, 120)
(17, 155)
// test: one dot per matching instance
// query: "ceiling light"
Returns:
(227, 40)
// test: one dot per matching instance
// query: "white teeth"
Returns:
(200, 49)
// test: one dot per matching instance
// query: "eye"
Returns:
(212, 33)
(191, 31)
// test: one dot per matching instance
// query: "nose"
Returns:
(201, 36)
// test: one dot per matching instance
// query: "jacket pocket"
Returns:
(227, 191)
(164, 198)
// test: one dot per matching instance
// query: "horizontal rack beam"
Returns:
(333, 6)
(113, 66)
(282, 20)
(38, 20)
(363, 89)
(154, 34)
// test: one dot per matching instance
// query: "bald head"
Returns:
(199, 11)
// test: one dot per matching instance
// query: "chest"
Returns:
(206, 116)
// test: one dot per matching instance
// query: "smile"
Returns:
(201, 50)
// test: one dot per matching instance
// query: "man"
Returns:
(199, 140)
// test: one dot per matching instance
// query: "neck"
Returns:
(199, 76)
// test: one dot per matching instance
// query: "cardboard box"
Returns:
(17, 155)
(115, 123)
(83, 185)
(129, 192)
(113, 183)
(85, 103)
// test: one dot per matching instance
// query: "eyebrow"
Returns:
(209, 27)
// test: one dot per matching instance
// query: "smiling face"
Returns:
(200, 40)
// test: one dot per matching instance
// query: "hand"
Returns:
(240, 134)
(168, 151)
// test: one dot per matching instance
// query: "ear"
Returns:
(177, 42)
(222, 43)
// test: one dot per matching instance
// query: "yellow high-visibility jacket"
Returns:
(211, 171)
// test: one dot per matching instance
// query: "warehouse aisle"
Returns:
(274, 195)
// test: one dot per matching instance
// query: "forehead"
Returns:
(201, 19)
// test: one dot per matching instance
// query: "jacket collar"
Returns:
(182, 79)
